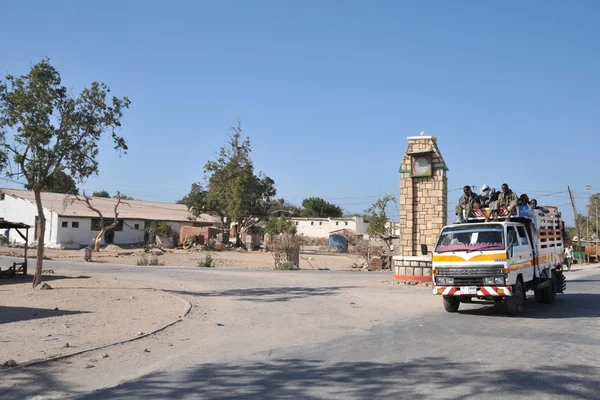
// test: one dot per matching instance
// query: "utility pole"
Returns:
(576, 223)
(588, 187)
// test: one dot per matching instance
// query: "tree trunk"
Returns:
(37, 278)
(98, 240)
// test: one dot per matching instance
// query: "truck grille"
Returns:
(464, 281)
(471, 272)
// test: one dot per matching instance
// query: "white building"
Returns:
(321, 227)
(74, 225)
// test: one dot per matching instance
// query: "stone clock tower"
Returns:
(423, 206)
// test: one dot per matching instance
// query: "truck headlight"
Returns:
(442, 280)
(498, 280)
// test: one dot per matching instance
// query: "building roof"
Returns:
(128, 209)
(354, 218)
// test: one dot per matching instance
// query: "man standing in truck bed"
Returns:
(507, 199)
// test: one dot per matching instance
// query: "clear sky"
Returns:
(328, 91)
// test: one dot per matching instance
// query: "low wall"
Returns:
(412, 268)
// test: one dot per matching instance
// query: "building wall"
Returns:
(58, 236)
(321, 227)
(423, 201)
(18, 210)
(78, 233)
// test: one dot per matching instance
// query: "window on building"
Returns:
(345, 223)
(107, 222)
(337, 223)
(296, 222)
(65, 224)
(2, 196)
(75, 224)
(320, 222)
(312, 223)
(136, 226)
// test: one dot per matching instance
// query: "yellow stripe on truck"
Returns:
(477, 258)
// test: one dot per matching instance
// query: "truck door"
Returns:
(522, 253)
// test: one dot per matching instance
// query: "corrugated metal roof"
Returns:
(128, 209)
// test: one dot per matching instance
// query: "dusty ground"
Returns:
(80, 312)
(177, 257)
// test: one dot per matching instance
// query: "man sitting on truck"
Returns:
(533, 204)
(467, 202)
(506, 199)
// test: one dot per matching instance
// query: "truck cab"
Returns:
(500, 261)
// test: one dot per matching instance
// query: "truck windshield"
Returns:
(471, 238)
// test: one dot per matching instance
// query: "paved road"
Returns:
(553, 352)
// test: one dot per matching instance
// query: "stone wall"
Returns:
(423, 201)
(408, 268)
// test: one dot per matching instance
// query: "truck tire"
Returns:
(550, 292)
(539, 296)
(561, 281)
(451, 303)
(515, 303)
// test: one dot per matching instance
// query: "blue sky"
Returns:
(328, 91)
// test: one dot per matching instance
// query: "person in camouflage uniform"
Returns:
(507, 199)
(467, 202)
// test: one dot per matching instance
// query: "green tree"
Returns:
(279, 225)
(123, 197)
(316, 207)
(59, 182)
(43, 129)
(234, 191)
(593, 210)
(378, 220)
(101, 193)
(280, 207)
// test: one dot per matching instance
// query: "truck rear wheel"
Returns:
(539, 296)
(515, 303)
(451, 303)
(550, 292)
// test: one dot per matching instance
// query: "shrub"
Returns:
(161, 229)
(207, 262)
(152, 261)
(143, 260)
(287, 266)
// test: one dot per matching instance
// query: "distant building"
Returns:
(74, 225)
(322, 227)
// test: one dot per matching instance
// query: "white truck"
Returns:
(500, 261)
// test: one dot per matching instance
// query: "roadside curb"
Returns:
(186, 310)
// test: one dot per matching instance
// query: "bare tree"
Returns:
(103, 229)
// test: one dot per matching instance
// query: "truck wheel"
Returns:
(451, 303)
(561, 282)
(550, 292)
(515, 303)
(539, 296)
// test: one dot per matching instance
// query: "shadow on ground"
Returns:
(15, 314)
(267, 295)
(568, 305)
(429, 378)
(19, 279)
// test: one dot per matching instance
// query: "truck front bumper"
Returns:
(482, 291)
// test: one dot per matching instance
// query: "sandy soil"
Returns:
(177, 257)
(78, 313)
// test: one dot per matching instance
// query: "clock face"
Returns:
(421, 165)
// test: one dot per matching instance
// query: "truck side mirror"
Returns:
(424, 250)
